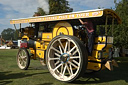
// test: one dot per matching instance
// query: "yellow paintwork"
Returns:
(40, 53)
(100, 39)
(32, 51)
(46, 36)
(40, 49)
(67, 16)
(64, 16)
(98, 46)
(25, 37)
(94, 66)
(62, 27)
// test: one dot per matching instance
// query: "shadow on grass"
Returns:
(37, 68)
(6, 76)
(5, 82)
(46, 84)
(120, 73)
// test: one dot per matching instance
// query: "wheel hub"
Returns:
(64, 57)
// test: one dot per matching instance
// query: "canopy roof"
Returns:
(68, 16)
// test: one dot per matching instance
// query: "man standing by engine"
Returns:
(90, 32)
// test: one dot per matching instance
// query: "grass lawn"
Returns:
(10, 74)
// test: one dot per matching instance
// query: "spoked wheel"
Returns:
(23, 59)
(66, 58)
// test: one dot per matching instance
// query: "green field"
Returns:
(10, 74)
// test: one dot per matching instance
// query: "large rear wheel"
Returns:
(23, 59)
(66, 58)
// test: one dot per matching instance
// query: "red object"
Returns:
(23, 45)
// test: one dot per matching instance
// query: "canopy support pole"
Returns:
(112, 25)
(106, 25)
(15, 28)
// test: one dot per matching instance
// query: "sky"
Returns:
(14, 9)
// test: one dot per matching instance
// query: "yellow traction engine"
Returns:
(60, 42)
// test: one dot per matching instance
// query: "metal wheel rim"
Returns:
(22, 59)
(64, 71)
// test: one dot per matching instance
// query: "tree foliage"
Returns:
(8, 34)
(39, 12)
(121, 31)
(56, 6)
(59, 6)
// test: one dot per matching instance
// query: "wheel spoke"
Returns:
(65, 47)
(57, 54)
(75, 62)
(22, 53)
(68, 45)
(71, 49)
(19, 58)
(61, 44)
(22, 63)
(57, 62)
(64, 70)
(53, 59)
(74, 52)
(71, 69)
(60, 49)
(19, 55)
(72, 64)
(55, 49)
(24, 59)
(68, 69)
(57, 67)
(74, 57)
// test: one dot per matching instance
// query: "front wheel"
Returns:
(23, 59)
(66, 58)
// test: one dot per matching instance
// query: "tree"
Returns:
(56, 6)
(59, 6)
(8, 34)
(121, 31)
(16, 34)
(39, 12)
